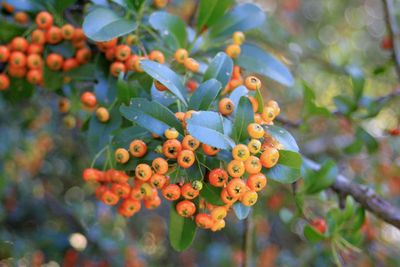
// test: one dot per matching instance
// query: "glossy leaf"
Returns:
(205, 95)
(170, 26)
(151, 115)
(283, 137)
(220, 68)
(212, 194)
(237, 94)
(103, 24)
(207, 127)
(287, 170)
(167, 77)
(357, 80)
(181, 230)
(316, 181)
(243, 117)
(210, 11)
(243, 17)
(310, 108)
(9, 30)
(241, 211)
(257, 60)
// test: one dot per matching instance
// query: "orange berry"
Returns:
(21, 17)
(186, 159)
(191, 65)
(35, 49)
(275, 106)
(191, 85)
(143, 172)
(122, 52)
(78, 36)
(69, 64)
(38, 37)
(240, 152)
(19, 44)
(249, 198)
(54, 35)
(17, 72)
(190, 143)
(185, 208)
(181, 55)
(171, 192)
(4, 53)
(129, 207)
(159, 86)
(218, 177)
(268, 114)
(64, 105)
(44, 20)
(219, 213)
(67, 31)
(171, 148)
(152, 203)
(102, 114)
(157, 56)
(131, 39)
(138, 148)
(91, 174)
(17, 59)
(88, 99)
(204, 221)
(226, 106)
(236, 187)
(34, 76)
(269, 157)
(236, 168)
(254, 146)
(254, 103)
(257, 182)
(4, 81)
(83, 55)
(34, 61)
(218, 225)
(238, 38)
(209, 150)
(121, 155)
(160, 165)
(253, 165)
(121, 189)
(252, 83)
(232, 50)
(319, 225)
(188, 192)
(255, 130)
(116, 68)
(171, 133)
(109, 198)
(160, 3)
(227, 198)
(158, 180)
(54, 61)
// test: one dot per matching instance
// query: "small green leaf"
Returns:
(255, 59)
(220, 68)
(20, 89)
(181, 230)
(125, 90)
(210, 11)
(237, 94)
(207, 127)
(310, 108)
(53, 80)
(241, 211)
(369, 141)
(283, 137)
(212, 194)
(260, 101)
(9, 30)
(359, 219)
(151, 115)
(170, 26)
(287, 170)
(345, 104)
(244, 115)
(205, 95)
(358, 81)
(316, 181)
(103, 24)
(167, 77)
(312, 235)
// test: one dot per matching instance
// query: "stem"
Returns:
(97, 156)
(247, 240)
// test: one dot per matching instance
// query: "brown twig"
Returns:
(364, 195)
(393, 32)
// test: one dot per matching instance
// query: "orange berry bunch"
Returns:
(27, 56)
(233, 50)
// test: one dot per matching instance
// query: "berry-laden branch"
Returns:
(393, 32)
(364, 195)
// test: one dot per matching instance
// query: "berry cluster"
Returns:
(27, 56)
(239, 179)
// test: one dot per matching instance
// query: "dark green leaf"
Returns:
(242, 18)
(207, 127)
(170, 26)
(237, 94)
(212, 194)
(310, 108)
(369, 141)
(359, 219)
(181, 230)
(210, 11)
(125, 90)
(151, 115)
(204, 95)
(53, 80)
(167, 77)
(9, 30)
(103, 24)
(287, 170)
(244, 115)
(345, 104)
(260, 101)
(19, 90)
(220, 68)
(312, 235)
(283, 137)
(255, 59)
(316, 181)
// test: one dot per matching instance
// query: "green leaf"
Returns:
(316, 181)
(359, 219)
(53, 80)
(310, 108)
(260, 101)
(60, 6)
(103, 24)
(65, 49)
(220, 68)
(124, 136)
(171, 27)
(237, 94)
(167, 77)
(244, 115)
(241, 211)
(10, 30)
(345, 104)
(354, 147)
(125, 90)
(369, 141)
(255, 59)
(207, 127)
(181, 230)
(242, 18)
(82, 73)
(210, 11)
(19, 89)
(151, 115)
(283, 137)
(212, 194)
(312, 235)
(287, 170)
(358, 81)
(205, 95)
